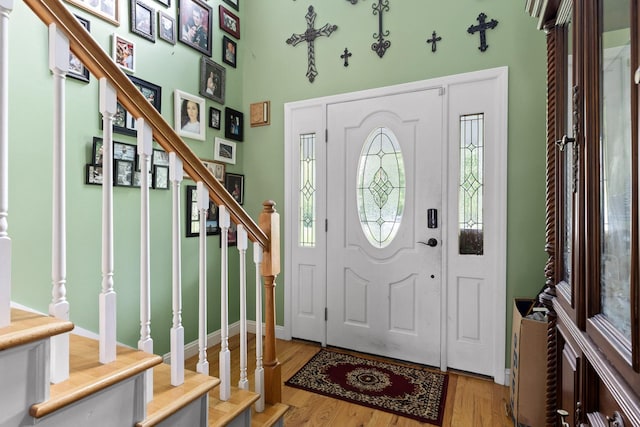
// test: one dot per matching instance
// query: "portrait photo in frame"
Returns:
(166, 27)
(216, 168)
(214, 118)
(233, 124)
(233, 3)
(224, 151)
(234, 183)
(193, 215)
(77, 70)
(151, 92)
(229, 51)
(123, 173)
(143, 20)
(189, 119)
(123, 53)
(105, 9)
(195, 25)
(229, 22)
(212, 80)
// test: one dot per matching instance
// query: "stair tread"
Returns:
(27, 327)
(168, 399)
(270, 415)
(222, 413)
(87, 375)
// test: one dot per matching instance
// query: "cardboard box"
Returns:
(528, 366)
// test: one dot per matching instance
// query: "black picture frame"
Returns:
(166, 27)
(233, 124)
(212, 80)
(215, 117)
(143, 20)
(229, 22)
(234, 183)
(195, 19)
(229, 51)
(161, 177)
(77, 70)
(160, 157)
(93, 174)
(123, 173)
(193, 216)
(121, 151)
(233, 3)
(152, 92)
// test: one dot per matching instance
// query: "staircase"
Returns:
(51, 376)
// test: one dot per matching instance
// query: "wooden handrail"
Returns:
(100, 64)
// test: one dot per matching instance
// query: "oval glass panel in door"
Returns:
(380, 187)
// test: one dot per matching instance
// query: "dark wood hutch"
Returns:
(592, 230)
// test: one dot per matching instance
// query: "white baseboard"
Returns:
(507, 377)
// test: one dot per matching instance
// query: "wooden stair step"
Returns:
(222, 413)
(168, 399)
(88, 376)
(270, 415)
(27, 327)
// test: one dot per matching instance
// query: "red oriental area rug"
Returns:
(409, 392)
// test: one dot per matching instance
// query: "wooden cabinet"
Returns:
(593, 234)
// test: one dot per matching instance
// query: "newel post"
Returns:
(270, 223)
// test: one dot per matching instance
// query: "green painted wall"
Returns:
(268, 69)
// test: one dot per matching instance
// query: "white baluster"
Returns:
(6, 6)
(107, 321)
(203, 204)
(259, 375)
(146, 342)
(177, 330)
(59, 306)
(225, 355)
(242, 249)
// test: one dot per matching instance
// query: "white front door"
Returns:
(384, 260)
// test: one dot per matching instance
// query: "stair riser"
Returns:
(193, 415)
(25, 368)
(242, 420)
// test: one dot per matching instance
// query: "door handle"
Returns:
(431, 242)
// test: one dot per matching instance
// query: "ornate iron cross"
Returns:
(381, 46)
(483, 27)
(346, 55)
(433, 40)
(309, 36)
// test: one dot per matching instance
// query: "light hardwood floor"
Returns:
(471, 401)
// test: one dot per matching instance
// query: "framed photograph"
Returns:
(123, 173)
(216, 168)
(166, 27)
(195, 25)
(229, 22)
(93, 174)
(212, 80)
(105, 9)
(233, 3)
(161, 177)
(152, 92)
(229, 49)
(233, 124)
(97, 151)
(143, 20)
(123, 53)
(232, 235)
(160, 157)
(234, 183)
(77, 70)
(188, 115)
(224, 151)
(214, 118)
(193, 216)
(122, 151)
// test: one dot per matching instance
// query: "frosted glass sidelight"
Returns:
(471, 186)
(307, 196)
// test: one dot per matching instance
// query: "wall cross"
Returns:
(346, 55)
(482, 27)
(381, 46)
(310, 36)
(433, 40)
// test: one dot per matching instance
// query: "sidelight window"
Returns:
(470, 190)
(308, 192)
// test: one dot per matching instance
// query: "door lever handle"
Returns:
(431, 242)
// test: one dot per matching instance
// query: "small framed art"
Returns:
(195, 25)
(193, 216)
(216, 168)
(152, 92)
(233, 124)
(161, 177)
(214, 118)
(105, 9)
(189, 115)
(224, 151)
(93, 174)
(212, 80)
(229, 49)
(124, 53)
(229, 22)
(166, 28)
(234, 183)
(77, 70)
(160, 157)
(233, 3)
(143, 20)
(123, 173)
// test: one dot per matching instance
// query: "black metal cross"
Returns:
(309, 36)
(381, 46)
(433, 40)
(482, 27)
(346, 55)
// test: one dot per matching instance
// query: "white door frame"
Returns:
(500, 75)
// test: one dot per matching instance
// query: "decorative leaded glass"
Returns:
(471, 227)
(307, 190)
(380, 187)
